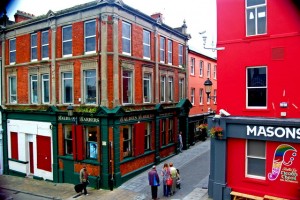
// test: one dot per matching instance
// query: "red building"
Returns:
(200, 68)
(119, 72)
(258, 152)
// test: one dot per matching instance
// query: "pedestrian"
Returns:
(165, 172)
(153, 179)
(173, 173)
(84, 179)
(178, 181)
(180, 141)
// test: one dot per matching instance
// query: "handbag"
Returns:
(169, 181)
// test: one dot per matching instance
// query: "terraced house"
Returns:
(99, 84)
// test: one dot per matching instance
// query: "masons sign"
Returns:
(270, 131)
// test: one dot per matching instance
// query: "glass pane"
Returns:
(256, 148)
(67, 48)
(13, 86)
(256, 167)
(261, 20)
(12, 57)
(257, 97)
(45, 51)
(92, 150)
(126, 45)
(34, 40)
(67, 33)
(90, 44)
(45, 92)
(256, 77)
(255, 2)
(45, 37)
(90, 87)
(90, 28)
(126, 30)
(33, 53)
(146, 51)
(12, 45)
(251, 22)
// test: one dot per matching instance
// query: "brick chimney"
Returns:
(158, 17)
(22, 16)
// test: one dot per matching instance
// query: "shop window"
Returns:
(256, 87)
(14, 145)
(12, 51)
(170, 52)
(256, 159)
(68, 135)
(256, 17)
(162, 49)
(171, 132)
(91, 142)
(90, 86)
(163, 88)
(45, 45)
(127, 141)
(33, 47)
(90, 36)
(67, 41)
(147, 136)
(146, 44)
(126, 38)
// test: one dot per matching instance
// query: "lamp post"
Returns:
(70, 109)
(208, 86)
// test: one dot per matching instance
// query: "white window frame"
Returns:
(68, 139)
(255, 17)
(201, 68)
(63, 92)
(162, 50)
(89, 37)
(44, 80)
(192, 96)
(170, 52)
(130, 91)
(129, 151)
(247, 89)
(12, 51)
(163, 88)
(215, 95)
(65, 41)
(85, 90)
(11, 94)
(258, 157)
(170, 89)
(208, 70)
(146, 44)
(201, 96)
(34, 92)
(193, 66)
(33, 46)
(90, 131)
(181, 88)
(180, 55)
(45, 45)
(126, 38)
(215, 72)
(147, 82)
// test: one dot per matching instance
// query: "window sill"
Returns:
(257, 37)
(18, 161)
(255, 181)
(131, 158)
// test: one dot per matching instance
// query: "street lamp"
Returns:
(70, 109)
(208, 86)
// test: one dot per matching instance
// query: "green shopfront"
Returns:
(114, 144)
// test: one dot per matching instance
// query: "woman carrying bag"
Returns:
(166, 180)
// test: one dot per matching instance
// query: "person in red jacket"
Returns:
(153, 182)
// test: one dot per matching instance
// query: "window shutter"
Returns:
(74, 139)
(14, 145)
(80, 142)
(139, 139)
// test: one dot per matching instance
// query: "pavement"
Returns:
(136, 188)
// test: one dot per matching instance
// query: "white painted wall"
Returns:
(27, 132)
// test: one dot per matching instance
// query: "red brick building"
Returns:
(121, 72)
(257, 72)
(200, 68)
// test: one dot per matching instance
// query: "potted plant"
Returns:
(203, 131)
(203, 127)
(216, 132)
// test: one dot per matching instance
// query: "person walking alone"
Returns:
(180, 141)
(153, 179)
(83, 175)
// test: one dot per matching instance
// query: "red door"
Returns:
(44, 153)
(31, 157)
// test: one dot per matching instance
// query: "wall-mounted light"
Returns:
(70, 110)
(212, 44)
(208, 86)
